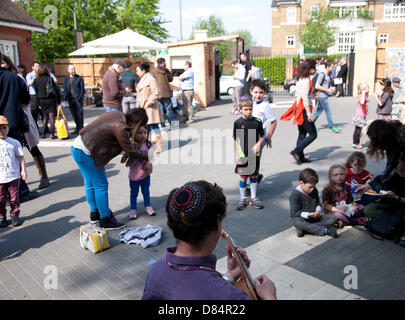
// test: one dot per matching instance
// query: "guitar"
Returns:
(246, 282)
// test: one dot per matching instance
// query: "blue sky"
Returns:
(253, 15)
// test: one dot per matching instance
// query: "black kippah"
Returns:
(187, 202)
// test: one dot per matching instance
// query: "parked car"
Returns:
(226, 85)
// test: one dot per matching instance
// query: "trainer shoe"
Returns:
(335, 129)
(16, 221)
(133, 215)
(110, 223)
(242, 204)
(150, 211)
(94, 216)
(331, 231)
(256, 203)
(300, 233)
(3, 222)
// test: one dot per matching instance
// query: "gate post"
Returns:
(351, 73)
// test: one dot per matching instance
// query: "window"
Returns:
(9, 48)
(348, 11)
(346, 42)
(313, 11)
(290, 42)
(291, 14)
(177, 64)
(394, 11)
(383, 38)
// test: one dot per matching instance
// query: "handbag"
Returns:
(50, 90)
(62, 128)
(93, 239)
(387, 225)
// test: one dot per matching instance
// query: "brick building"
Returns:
(353, 18)
(16, 28)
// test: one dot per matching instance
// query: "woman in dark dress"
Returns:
(47, 101)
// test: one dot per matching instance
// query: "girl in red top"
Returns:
(355, 165)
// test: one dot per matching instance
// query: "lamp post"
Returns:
(181, 22)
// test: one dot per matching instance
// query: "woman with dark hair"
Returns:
(301, 110)
(98, 143)
(386, 140)
(147, 93)
(384, 100)
(47, 99)
(194, 214)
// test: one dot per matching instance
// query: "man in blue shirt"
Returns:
(33, 101)
(187, 87)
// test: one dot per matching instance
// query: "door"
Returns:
(217, 75)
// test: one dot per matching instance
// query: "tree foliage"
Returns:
(247, 35)
(96, 18)
(317, 35)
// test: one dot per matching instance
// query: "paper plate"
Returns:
(381, 193)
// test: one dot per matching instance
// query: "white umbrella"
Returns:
(125, 39)
(84, 51)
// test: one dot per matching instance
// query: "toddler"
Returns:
(139, 175)
(12, 168)
(361, 113)
(339, 202)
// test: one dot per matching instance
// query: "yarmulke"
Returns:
(187, 202)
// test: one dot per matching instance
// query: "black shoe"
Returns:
(54, 137)
(94, 216)
(296, 156)
(16, 221)
(305, 160)
(3, 222)
(43, 135)
(76, 131)
(300, 233)
(110, 223)
(259, 178)
(331, 231)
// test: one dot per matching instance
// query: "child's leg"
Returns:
(356, 135)
(3, 199)
(242, 187)
(145, 187)
(253, 186)
(311, 228)
(340, 216)
(14, 198)
(134, 185)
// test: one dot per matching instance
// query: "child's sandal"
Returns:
(150, 211)
(133, 215)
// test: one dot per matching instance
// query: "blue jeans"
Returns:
(154, 127)
(134, 185)
(109, 109)
(306, 135)
(323, 105)
(166, 103)
(95, 183)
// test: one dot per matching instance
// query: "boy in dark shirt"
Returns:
(305, 208)
(248, 135)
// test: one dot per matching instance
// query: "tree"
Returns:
(247, 35)
(96, 18)
(317, 35)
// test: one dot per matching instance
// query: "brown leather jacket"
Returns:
(107, 136)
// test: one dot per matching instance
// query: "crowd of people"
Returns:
(135, 105)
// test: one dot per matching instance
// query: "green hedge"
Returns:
(274, 67)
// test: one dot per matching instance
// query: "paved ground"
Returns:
(302, 268)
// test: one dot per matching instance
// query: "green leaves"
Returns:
(96, 18)
(317, 35)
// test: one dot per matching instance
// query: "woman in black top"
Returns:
(46, 99)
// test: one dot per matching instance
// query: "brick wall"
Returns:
(25, 49)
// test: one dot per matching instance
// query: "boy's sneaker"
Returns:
(16, 221)
(331, 231)
(3, 222)
(256, 203)
(335, 129)
(242, 204)
(94, 216)
(300, 233)
(110, 223)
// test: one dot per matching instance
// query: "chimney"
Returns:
(200, 34)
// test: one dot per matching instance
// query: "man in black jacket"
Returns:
(74, 94)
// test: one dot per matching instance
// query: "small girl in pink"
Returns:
(361, 113)
(139, 176)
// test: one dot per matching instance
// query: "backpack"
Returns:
(387, 225)
(314, 80)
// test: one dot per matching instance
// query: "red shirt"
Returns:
(361, 178)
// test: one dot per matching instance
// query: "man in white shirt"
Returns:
(238, 79)
(187, 87)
